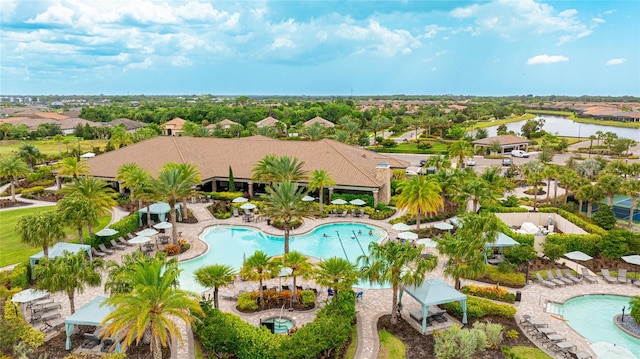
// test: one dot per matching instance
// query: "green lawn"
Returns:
(390, 346)
(50, 147)
(12, 250)
(484, 124)
(530, 353)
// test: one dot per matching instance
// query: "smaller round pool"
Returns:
(278, 325)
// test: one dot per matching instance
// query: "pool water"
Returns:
(280, 325)
(230, 245)
(592, 317)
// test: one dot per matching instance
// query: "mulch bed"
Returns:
(6, 203)
(48, 196)
(420, 346)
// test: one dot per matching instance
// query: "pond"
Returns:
(562, 126)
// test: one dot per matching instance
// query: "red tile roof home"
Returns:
(226, 123)
(504, 140)
(173, 127)
(319, 120)
(267, 122)
(129, 124)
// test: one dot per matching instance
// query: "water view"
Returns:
(562, 126)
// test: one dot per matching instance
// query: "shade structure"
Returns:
(443, 226)
(163, 225)
(455, 221)
(606, 350)
(632, 259)
(407, 235)
(106, 232)
(147, 232)
(578, 256)
(58, 250)
(160, 209)
(92, 313)
(29, 295)
(308, 199)
(401, 227)
(139, 240)
(248, 206)
(285, 272)
(240, 200)
(427, 242)
(433, 292)
(358, 202)
(502, 240)
(339, 201)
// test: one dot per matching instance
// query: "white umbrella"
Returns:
(248, 206)
(401, 227)
(632, 259)
(88, 155)
(240, 200)
(578, 256)
(358, 202)
(606, 350)
(428, 242)
(147, 232)
(443, 226)
(163, 225)
(308, 199)
(284, 272)
(407, 235)
(339, 201)
(106, 232)
(139, 240)
(29, 295)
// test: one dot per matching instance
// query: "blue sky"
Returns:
(493, 48)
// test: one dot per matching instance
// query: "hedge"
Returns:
(124, 226)
(227, 196)
(350, 197)
(510, 279)
(478, 308)
(501, 209)
(494, 292)
(20, 276)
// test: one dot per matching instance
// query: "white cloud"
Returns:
(181, 61)
(598, 20)
(464, 12)
(147, 63)
(568, 13)
(618, 61)
(430, 31)
(281, 42)
(546, 59)
(56, 14)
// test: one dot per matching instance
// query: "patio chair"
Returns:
(556, 280)
(124, 242)
(104, 249)
(131, 235)
(235, 212)
(563, 278)
(569, 275)
(52, 325)
(636, 283)
(622, 276)
(607, 277)
(92, 339)
(116, 245)
(590, 278)
(359, 296)
(544, 282)
(97, 253)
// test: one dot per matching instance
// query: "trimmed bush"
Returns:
(604, 217)
(247, 302)
(350, 197)
(494, 292)
(20, 276)
(494, 275)
(33, 190)
(227, 196)
(307, 298)
(500, 209)
(478, 308)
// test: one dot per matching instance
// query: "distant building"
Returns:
(319, 120)
(129, 124)
(507, 142)
(224, 124)
(267, 122)
(173, 127)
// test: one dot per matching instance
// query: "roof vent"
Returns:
(383, 164)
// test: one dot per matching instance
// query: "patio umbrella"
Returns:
(339, 201)
(139, 240)
(248, 206)
(358, 202)
(401, 227)
(308, 199)
(443, 226)
(163, 225)
(147, 232)
(407, 235)
(632, 259)
(240, 200)
(106, 232)
(284, 272)
(606, 350)
(428, 242)
(29, 295)
(578, 256)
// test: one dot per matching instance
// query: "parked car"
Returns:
(519, 153)
(471, 162)
(423, 162)
(507, 162)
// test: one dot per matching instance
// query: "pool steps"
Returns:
(554, 308)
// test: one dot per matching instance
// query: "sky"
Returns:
(341, 48)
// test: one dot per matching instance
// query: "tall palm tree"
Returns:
(215, 276)
(72, 166)
(460, 149)
(272, 168)
(174, 183)
(610, 185)
(319, 180)
(398, 264)
(550, 172)
(40, 230)
(260, 267)
(58, 138)
(439, 162)
(478, 191)
(589, 168)
(337, 273)
(135, 178)
(13, 167)
(299, 265)
(153, 306)
(589, 193)
(568, 178)
(533, 174)
(497, 183)
(30, 154)
(631, 188)
(420, 195)
(284, 204)
(69, 274)
(192, 175)
(96, 191)
(75, 211)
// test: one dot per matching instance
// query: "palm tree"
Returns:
(75, 211)
(319, 180)
(460, 149)
(398, 264)
(191, 175)
(337, 273)
(30, 154)
(284, 204)
(420, 195)
(58, 138)
(272, 168)
(533, 173)
(478, 191)
(152, 306)
(567, 178)
(466, 249)
(69, 274)
(260, 267)
(96, 191)
(589, 168)
(13, 167)
(631, 188)
(439, 162)
(610, 185)
(215, 276)
(496, 182)
(174, 183)
(136, 178)
(314, 132)
(71, 166)
(299, 265)
(589, 193)
(40, 230)
(550, 172)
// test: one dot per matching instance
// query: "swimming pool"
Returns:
(592, 317)
(230, 245)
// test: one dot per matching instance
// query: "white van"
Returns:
(519, 153)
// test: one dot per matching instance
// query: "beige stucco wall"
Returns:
(541, 219)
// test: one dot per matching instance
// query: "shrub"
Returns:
(478, 308)
(227, 196)
(512, 334)
(494, 292)
(511, 201)
(350, 197)
(307, 298)
(246, 302)
(31, 336)
(618, 243)
(494, 333)
(559, 243)
(604, 217)
(172, 249)
(222, 215)
(20, 276)
(500, 209)
(458, 343)
(32, 190)
(280, 225)
(634, 305)
(126, 225)
(510, 279)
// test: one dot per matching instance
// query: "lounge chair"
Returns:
(544, 282)
(590, 278)
(555, 280)
(636, 283)
(92, 339)
(97, 253)
(45, 308)
(607, 277)
(131, 235)
(569, 275)
(45, 317)
(235, 212)
(52, 325)
(124, 242)
(104, 249)
(622, 276)
(117, 246)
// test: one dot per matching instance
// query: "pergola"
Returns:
(433, 292)
(501, 241)
(160, 209)
(58, 250)
(92, 313)
(506, 142)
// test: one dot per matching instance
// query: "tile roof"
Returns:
(319, 120)
(348, 165)
(504, 140)
(175, 124)
(223, 124)
(269, 121)
(128, 123)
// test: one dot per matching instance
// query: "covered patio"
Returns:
(92, 313)
(58, 250)
(160, 209)
(501, 241)
(433, 292)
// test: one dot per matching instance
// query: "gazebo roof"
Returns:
(59, 248)
(433, 292)
(502, 240)
(158, 208)
(504, 140)
(92, 313)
